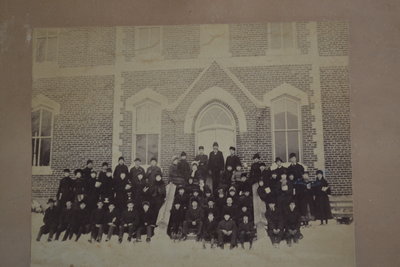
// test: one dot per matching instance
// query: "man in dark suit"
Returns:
(233, 160)
(215, 165)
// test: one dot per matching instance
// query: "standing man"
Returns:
(295, 168)
(121, 167)
(202, 160)
(152, 171)
(136, 170)
(233, 160)
(215, 165)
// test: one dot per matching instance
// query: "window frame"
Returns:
(138, 49)
(47, 36)
(146, 164)
(283, 51)
(43, 169)
(286, 130)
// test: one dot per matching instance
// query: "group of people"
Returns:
(129, 200)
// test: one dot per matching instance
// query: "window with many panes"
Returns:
(46, 45)
(286, 127)
(42, 134)
(281, 37)
(147, 131)
(148, 41)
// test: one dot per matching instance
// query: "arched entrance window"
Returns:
(215, 123)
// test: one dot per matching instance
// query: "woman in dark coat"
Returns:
(322, 204)
(158, 194)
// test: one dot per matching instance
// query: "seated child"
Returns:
(50, 220)
(246, 231)
(210, 230)
(175, 224)
(227, 230)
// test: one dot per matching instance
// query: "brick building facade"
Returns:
(272, 88)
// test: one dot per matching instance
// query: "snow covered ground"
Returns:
(327, 245)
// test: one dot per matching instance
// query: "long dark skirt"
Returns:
(322, 207)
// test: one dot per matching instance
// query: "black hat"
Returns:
(130, 201)
(256, 156)
(145, 203)
(210, 199)
(177, 202)
(244, 174)
(50, 201)
(320, 172)
(93, 171)
(99, 201)
(263, 164)
(232, 188)
(201, 147)
(215, 144)
(232, 148)
(183, 153)
(82, 202)
(67, 170)
(292, 155)
(78, 170)
(180, 187)
(195, 163)
(274, 172)
(121, 158)
(194, 200)
(104, 164)
(153, 158)
(89, 161)
(109, 170)
(278, 159)
(195, 190)
(284, 171)
(138, 159)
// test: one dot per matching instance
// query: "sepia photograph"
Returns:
(192, 145)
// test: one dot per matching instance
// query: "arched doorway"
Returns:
(215, 123)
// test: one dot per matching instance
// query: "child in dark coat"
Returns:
(246, 231)
(292, 224)
(147, 224)
(175, 224)
(193, 220)
(97, 219)
(227, 230)
(110, 220)
(129, 221)
(210, 230)
(65, 221)
(275, 228)
(50, 220)
(158, 194)
(81, 221)
(322, 204)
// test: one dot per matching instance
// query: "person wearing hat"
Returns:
(264, 173)
(173, 176)
(148, 218)
(194, 172)
(246, 231)
(122, 186)
(231, 207)
(81, 221)
(212, 208)
(182, 197)
(255, 171)
(110, 220)
(246, 199)
(233, 160)
(183, 166)
(305, 199)
(284, 193)
(220, 199)
(202, 160)
(87, 170)
(190, 186)
(193, 220)
(130, 219)
(65, 220)
(227, 177)
(121, 167)
(296, 168)
(216, 165)
(136, 169)
(322, 191)
(275, 223)
(157, 194)
(279, 167)
(292, 224)
(175, 223)
(50, 221)
(210, 229)
(107, 188)
(103, 171)
(196, 196)
(97, 219)
(94, 190)
(227, 229)
(152, 171)
(79, 187)
(64, 192)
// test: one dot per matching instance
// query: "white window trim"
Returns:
(131, 105)
(299, 129)
(43, 102)
(57, 35)
(159, 54)
(283, 51)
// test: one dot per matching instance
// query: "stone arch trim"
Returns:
(43, 101)
(143, 95)
(207, 96)
(285, 89)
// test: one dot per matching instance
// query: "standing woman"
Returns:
(322, 204)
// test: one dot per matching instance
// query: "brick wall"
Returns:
(86, 46)
(181, 42)
(336, 124)
(82, 130)
(248, 39)
(303, 37)
(333, 38)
